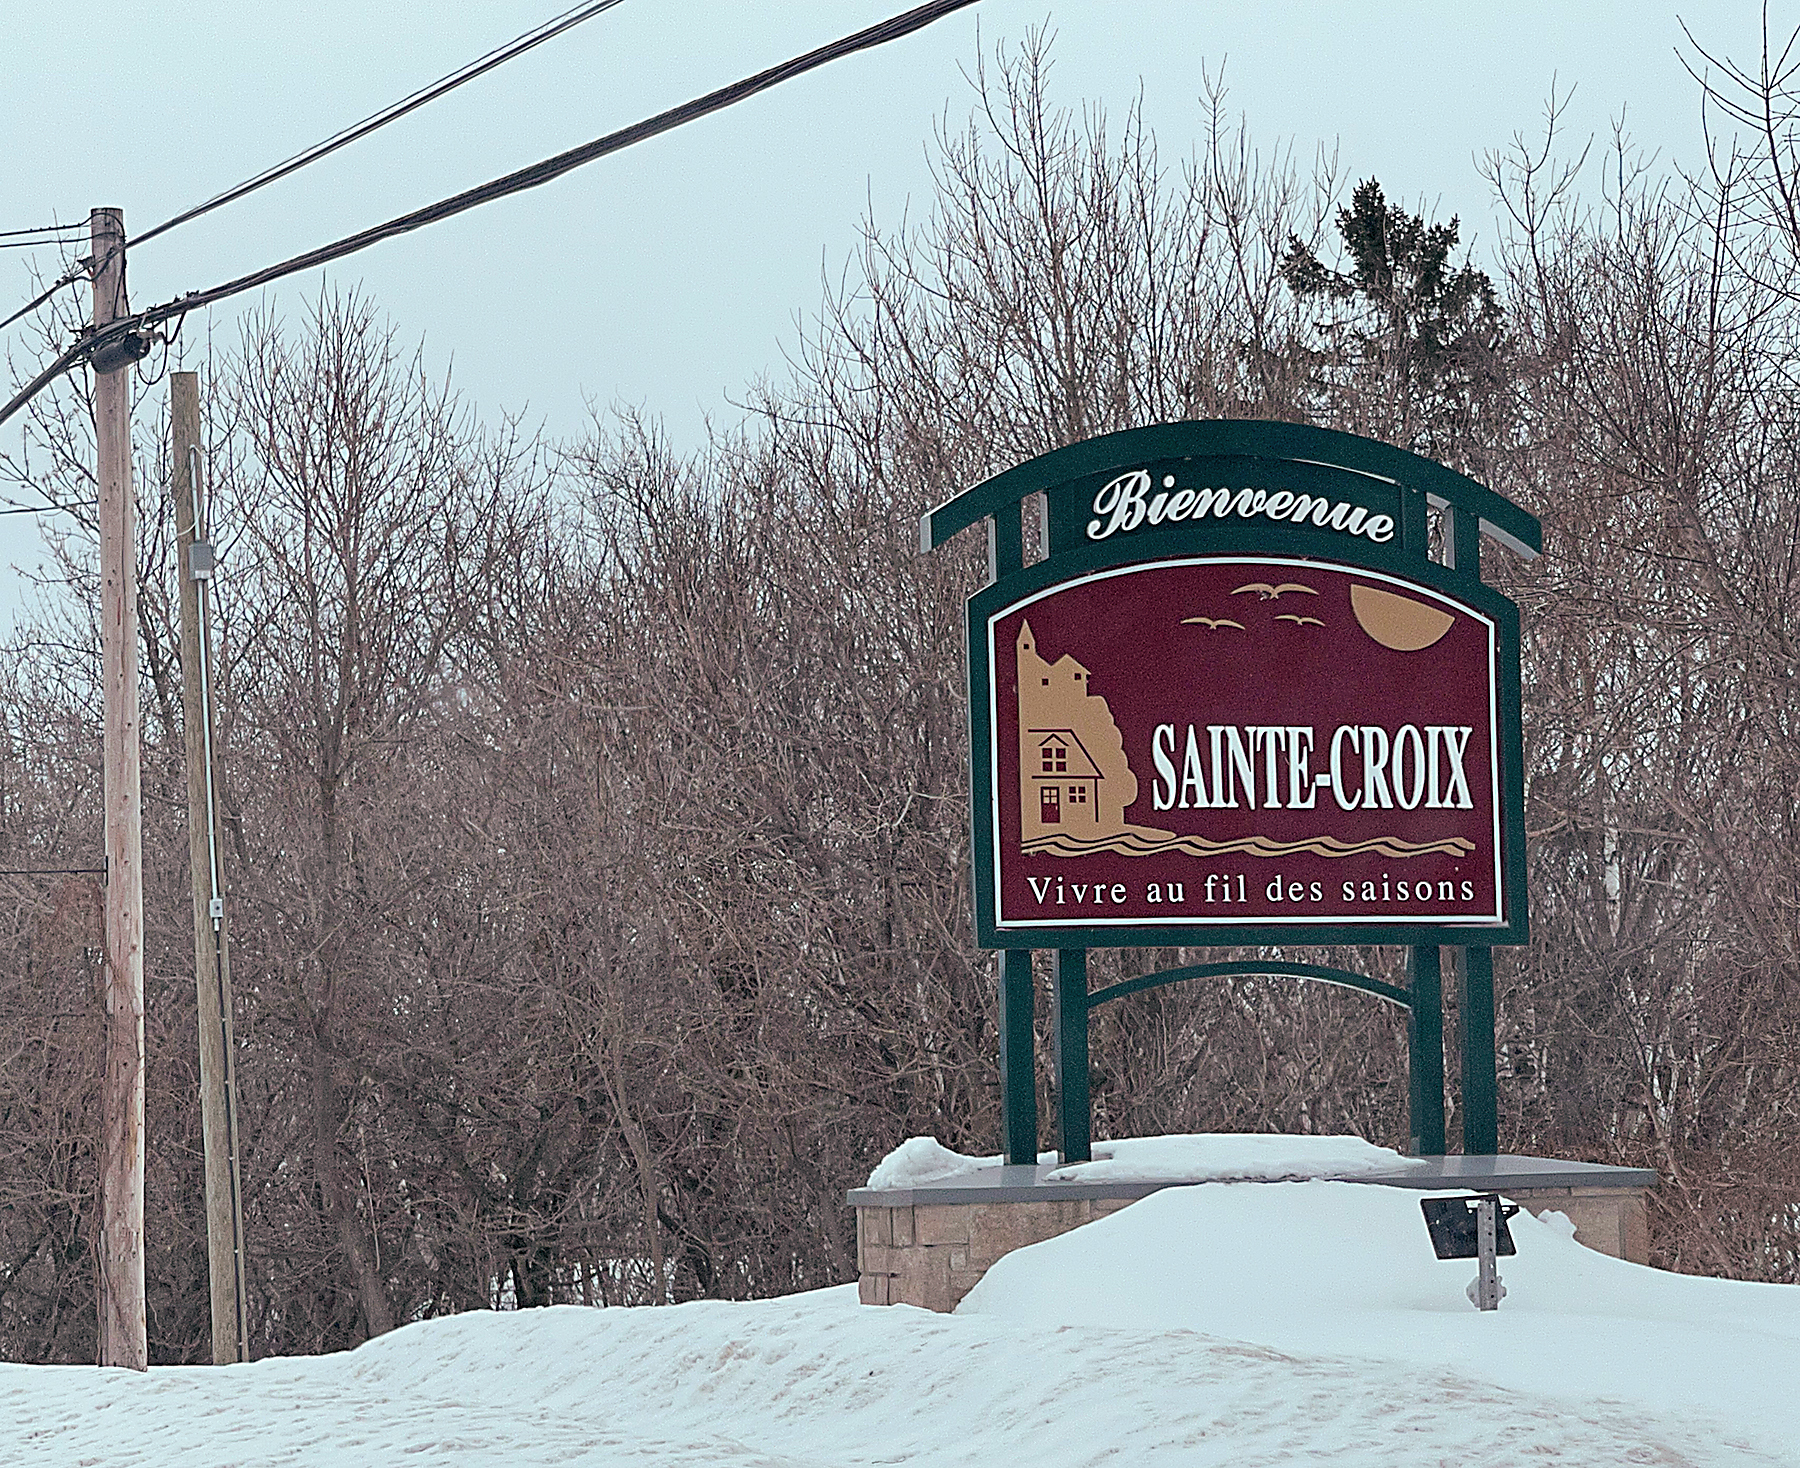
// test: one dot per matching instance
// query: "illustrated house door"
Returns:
(1050, 804)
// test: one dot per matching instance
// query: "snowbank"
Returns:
(1347, 1270)
(817, 1381)
(1261, 1324)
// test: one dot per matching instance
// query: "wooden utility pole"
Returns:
(212, 950)
(123, 1340)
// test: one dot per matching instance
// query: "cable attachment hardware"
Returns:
(121, 351)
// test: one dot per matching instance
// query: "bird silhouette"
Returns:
(1273, 593)
(1298, 621)
(1214, 622)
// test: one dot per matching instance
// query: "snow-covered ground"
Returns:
(1242, 1324)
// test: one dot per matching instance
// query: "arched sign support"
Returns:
(1157, 761)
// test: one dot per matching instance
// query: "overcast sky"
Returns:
(671, 275)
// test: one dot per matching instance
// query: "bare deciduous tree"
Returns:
(597, 818)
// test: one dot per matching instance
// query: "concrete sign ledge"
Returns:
(1026, 1184)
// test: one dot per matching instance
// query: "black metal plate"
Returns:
(1454, 1222)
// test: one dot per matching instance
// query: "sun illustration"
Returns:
(1398, 622)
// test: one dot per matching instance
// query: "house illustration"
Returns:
(1067, 781)
(1074, 778)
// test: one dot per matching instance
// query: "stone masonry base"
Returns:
(931, 1255)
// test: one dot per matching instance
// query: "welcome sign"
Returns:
(1224, 740)
(1240, 701)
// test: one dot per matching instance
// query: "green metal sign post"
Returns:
(1239, 702)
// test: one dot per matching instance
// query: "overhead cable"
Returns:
(47, 509)
(49, 375)
(518, 46)
(49, 229)
(517, 182)
(549, 30)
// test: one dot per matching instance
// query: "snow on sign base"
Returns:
(1191, 1157)
(1376, 1360)
(1234, 1157)
(920, 1160)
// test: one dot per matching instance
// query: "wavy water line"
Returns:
(1143, 843)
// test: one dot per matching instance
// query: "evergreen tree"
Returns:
(1425, 334)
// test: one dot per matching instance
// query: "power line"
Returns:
(518, 46)
(70, 278)
(48, 509)
(37, 384)
(136, 326)
(50, 229)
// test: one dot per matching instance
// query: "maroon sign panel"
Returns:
(1234, 740)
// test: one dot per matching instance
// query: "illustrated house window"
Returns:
(1049, 805)
(1056, 758)
(1078, 795)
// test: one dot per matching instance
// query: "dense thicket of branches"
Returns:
(597, 820)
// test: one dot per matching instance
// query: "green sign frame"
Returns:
(1178, 494)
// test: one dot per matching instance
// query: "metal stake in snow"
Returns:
(1485, 1290)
